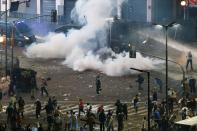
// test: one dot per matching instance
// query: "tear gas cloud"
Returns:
(82, 48)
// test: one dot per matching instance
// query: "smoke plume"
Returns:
(84, 48)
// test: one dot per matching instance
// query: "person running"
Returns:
(189, 60)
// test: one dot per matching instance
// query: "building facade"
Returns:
(137, 10)
(149, 10)
(131, 10)
(36, 6)
(164, 10)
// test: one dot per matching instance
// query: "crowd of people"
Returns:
(180, 104)
(84, 119)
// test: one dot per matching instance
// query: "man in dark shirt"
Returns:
(120, 121)
(102, 119)
(21, 104)
(38, 108)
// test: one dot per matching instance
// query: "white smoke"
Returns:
(81, 48)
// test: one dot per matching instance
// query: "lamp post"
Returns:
(12, 52)
(183, 4)
(6, 28)
(166, 50)
(148, 74)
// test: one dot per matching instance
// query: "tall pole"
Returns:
(166, 30)
(12, 51)
(148, 73)
(6, 29)
(184, 9)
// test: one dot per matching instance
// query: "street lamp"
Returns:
(166, 42)
(184, 4)
(148, 74)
